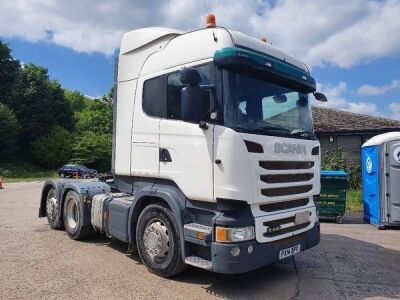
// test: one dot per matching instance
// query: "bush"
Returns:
(22, 170)
(334, 160)
(53, 149)
(8, 132)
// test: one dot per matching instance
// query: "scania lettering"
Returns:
(290, 148)
(215, 162)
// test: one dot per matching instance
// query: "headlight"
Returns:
(232, 234)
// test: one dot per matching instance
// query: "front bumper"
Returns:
(262, 255)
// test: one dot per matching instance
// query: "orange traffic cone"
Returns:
(76, 175)
(1, 183)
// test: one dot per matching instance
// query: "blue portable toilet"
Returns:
(381, 179)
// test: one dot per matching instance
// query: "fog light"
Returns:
(235, 251)
(250, 249)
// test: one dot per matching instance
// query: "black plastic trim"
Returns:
(254, 147)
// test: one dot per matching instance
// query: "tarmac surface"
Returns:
(353, 261)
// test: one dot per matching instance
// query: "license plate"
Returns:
(301, 218)
(289, 251)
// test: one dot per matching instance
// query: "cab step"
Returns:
(198, 262)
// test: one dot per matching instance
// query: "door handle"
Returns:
(164, 155)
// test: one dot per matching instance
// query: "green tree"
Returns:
(97, 116)
(93, 142)
(76, 100)
(53, 149)
(8, 132)
(93, 149)
(39, 103)
(9, 70)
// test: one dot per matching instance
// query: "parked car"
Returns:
(71, 170)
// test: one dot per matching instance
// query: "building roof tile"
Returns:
(328, 120)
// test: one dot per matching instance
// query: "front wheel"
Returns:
(73, 218)
(158, 241)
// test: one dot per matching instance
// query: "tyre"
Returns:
(158, 241)
(339, 219)
(73, 218)
(62, 175)
(52, 209)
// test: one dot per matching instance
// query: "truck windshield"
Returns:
(254, 105)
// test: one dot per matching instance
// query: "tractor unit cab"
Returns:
(214, 154)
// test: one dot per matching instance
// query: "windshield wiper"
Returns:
(301, 132)
(262, 130)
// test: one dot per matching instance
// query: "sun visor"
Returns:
(265, 68)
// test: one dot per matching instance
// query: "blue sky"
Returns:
(352, 47)
(91, 74)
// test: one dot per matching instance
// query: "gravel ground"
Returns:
(353, 261)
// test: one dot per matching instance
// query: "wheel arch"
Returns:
(83, 188)
(171, 197)
(49, 184)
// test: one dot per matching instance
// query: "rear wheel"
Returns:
(52, 209)
(73, 218)
(339, 219)
(158, 241)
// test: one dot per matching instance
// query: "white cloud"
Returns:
(337, 100)
(334, 95)
(395, 110)
(373, 90)
(373, 35)
(364, 108)
(344, 33)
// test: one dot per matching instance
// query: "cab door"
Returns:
(145, 133)
(186, 150)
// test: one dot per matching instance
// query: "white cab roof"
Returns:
(382, 138)
(137, 38)
(151, 50)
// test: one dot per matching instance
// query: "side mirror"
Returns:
(189, 76)
(320, 97)
(279, 98)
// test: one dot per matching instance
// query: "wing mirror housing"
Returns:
(320, 97)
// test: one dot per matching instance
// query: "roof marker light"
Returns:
(211, 21)
(263, 39)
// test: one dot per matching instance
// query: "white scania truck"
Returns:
(215, 161)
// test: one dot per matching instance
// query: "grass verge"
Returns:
(354, 200)
(22, 171)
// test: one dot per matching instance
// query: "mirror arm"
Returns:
(203, 125)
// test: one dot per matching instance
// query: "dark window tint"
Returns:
(153, 96)
(174, 91)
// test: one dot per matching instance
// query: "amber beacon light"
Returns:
(211, 21)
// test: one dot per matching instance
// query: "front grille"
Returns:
(286, 165)
(279, 222)
(284, 178)
(285, 191)
(272, 207)
(286, 230)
